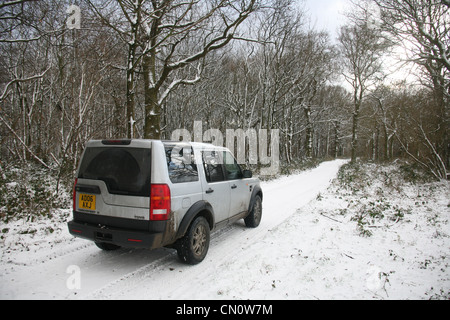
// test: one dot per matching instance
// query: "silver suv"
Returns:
(151, 193)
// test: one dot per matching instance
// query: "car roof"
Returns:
(147, 143)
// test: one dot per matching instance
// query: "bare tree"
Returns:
(362, 48)
(423, 28)
(424, 24)
(178, 34)
(384, 107)
(166, 36)
(124, 18)
(23, 66)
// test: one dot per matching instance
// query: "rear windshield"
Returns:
(125, 171)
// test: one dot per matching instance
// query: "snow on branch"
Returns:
(177, 82)
(5, 91)
(218, 42)
(24, 144)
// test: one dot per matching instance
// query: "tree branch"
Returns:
(23, 143)
(5, 91)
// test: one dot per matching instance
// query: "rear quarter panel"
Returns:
(183, 195)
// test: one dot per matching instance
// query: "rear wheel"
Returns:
(193, 247)
(254, 218)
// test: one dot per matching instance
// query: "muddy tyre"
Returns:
(254, 218)
(193, 247)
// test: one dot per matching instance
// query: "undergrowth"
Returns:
(374, 192)
(30, 193)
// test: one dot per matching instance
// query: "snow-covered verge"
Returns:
(374, 232)
(34, 210)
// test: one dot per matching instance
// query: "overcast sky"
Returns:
(327, 14)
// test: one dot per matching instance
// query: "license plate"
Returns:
(86, 201)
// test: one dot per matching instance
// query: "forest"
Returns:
(71, 71)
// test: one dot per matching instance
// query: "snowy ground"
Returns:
(366, 235)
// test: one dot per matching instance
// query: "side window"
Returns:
(181, 164)
(213, 166)
(233, 170)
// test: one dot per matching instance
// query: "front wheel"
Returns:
(254, 218)
(193, 247)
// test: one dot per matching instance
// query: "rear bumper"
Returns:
(122, 237)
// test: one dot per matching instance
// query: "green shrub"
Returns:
(30, 193)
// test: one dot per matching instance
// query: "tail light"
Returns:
(120, 142)
(159, 202)
(74, 196)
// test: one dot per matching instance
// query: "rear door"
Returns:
(216, 190)
(114, 180)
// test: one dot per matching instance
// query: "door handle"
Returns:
(209, 190)
(233, 186)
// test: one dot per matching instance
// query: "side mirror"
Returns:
(247, 174)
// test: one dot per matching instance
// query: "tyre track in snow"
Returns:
(170, 279)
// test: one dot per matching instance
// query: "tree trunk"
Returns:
(152, 107)
(355, 130)
(309, 137)
(132, 47)
(130, 104)
(385, 143)
(336, 139)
